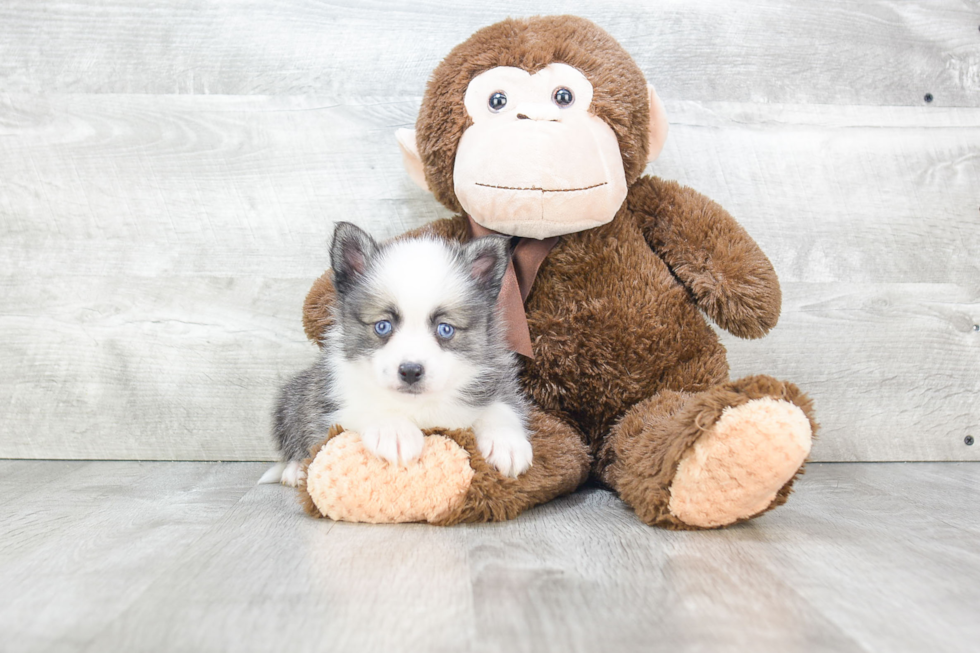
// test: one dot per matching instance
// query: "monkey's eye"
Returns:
(445, 331)
(497, 101)
(382, 328)
(563, 97)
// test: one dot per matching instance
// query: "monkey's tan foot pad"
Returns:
(736, 468)
(346, 482)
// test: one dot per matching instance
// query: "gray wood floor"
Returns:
(128, 556)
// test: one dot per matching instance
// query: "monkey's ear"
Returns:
(410, 157)
(657, 135)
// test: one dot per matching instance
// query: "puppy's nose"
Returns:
(410, 372)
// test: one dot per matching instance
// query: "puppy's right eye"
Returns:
(445, 331)
(382, 328)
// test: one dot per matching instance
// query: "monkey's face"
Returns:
(535, 162)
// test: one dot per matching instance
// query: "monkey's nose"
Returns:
(538, 111)
(410, 372)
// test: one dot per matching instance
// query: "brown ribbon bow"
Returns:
(526, 257)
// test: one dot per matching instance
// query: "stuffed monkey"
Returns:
(540, 129)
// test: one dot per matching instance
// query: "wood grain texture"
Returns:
(892, 367)
(873, 52)
(189, 556)
(170, 177)
(83, 540)
(156, 251)
(922, 552)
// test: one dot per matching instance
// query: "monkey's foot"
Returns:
(346, 482)
(449, 483)
(735, 469)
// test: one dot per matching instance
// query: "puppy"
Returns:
(416, 343)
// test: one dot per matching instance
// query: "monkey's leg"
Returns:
(561, 464)
(451, 483)
(713, 458)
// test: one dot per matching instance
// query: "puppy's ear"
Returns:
(350, 253)
(487, 259)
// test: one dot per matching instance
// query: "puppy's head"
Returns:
(416, 315)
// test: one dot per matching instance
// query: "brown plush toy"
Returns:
(540, 129)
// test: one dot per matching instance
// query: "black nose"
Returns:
(410, 372)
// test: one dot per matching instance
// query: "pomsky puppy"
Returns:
(416, 343)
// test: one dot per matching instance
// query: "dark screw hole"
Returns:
(968, 440)
(928, 97)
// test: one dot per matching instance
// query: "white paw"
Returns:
(293, 474)
(394, 440)
(509, 451)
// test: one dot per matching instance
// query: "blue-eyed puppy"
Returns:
(416, 343)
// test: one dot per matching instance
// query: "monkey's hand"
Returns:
(317, 315)
(712, 255)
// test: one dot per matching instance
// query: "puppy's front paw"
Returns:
(394, 440)
(508, 451)
(292, 474)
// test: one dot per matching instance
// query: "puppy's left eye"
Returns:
(445, 331)
(382, 328)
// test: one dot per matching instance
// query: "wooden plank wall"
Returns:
(170, 175)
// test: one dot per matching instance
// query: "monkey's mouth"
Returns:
(543, 190)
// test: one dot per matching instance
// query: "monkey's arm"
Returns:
(712, 255)
(317, 307)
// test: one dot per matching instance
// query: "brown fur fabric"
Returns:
(729, 276)
(624, 360)
(620, 96)
(316, 308)
(561, 464)
(639, 459)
